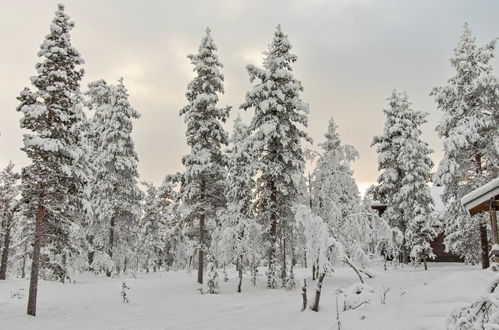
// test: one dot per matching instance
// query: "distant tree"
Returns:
(116, 196)
(238, 237)
(52, 185)
(202, 183)
(276, 130)
(9, 190)
(152, 242)
(469, 128)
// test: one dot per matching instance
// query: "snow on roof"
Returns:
(377, 204)
(481, 194)
(436, 194)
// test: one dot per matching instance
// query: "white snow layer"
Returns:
(417, 299)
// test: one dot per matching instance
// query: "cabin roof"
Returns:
(478, 200)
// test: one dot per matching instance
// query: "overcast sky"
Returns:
(351, 54)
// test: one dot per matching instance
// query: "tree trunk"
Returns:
(111, 245)
(485, 245)
(240, 270)
(6, 246)
(313, 272)
(37, 244)
(355, 269)
(304, 294)
(483, 229)
(23, 270)
(425, 265)
(273, 239)
(318, 289)
(201, 251)
(283, 270)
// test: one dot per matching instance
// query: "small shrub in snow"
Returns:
(212, 282)
(124, 289)
(356, 295)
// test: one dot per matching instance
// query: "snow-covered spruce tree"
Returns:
(469, 129)
(414, 197)
(152, 245)
(397, 184)
(238, 237)
(52, 184)
(9, 190)
(202, 184)
(116, 197)
(276, 130)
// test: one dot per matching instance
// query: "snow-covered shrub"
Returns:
(102, 261)
(356, 295)
(124, 289)
(483, 313)
(212, 283)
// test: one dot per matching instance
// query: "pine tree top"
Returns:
(332, 136)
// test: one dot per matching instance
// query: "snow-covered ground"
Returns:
(418, 299)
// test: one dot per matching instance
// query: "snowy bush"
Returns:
(483, 313)
(212, 283)
(102, 261)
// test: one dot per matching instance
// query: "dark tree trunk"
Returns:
(425, 264)
(313, 272)
(111, 245)
(6, 246)
(37, 244)
(483, 229)
(304, 294)
(318, 289)
(23, 270)
(240, 270)
(283, 270)
(273, 237)
(201, 251)
(485, 246)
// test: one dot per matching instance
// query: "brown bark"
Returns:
(304, 294)
(485, 246)
(318, 289)
(23, 270)
(273, 234)
(240, 270)
(283, 270)
(201, 251)
(6, 246)
(483, 230)
(33, 282)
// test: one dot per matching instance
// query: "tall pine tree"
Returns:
(52, 184)
(276, 130)
(405, 165)
(202, 184)
(116, 197)
(469, 129)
